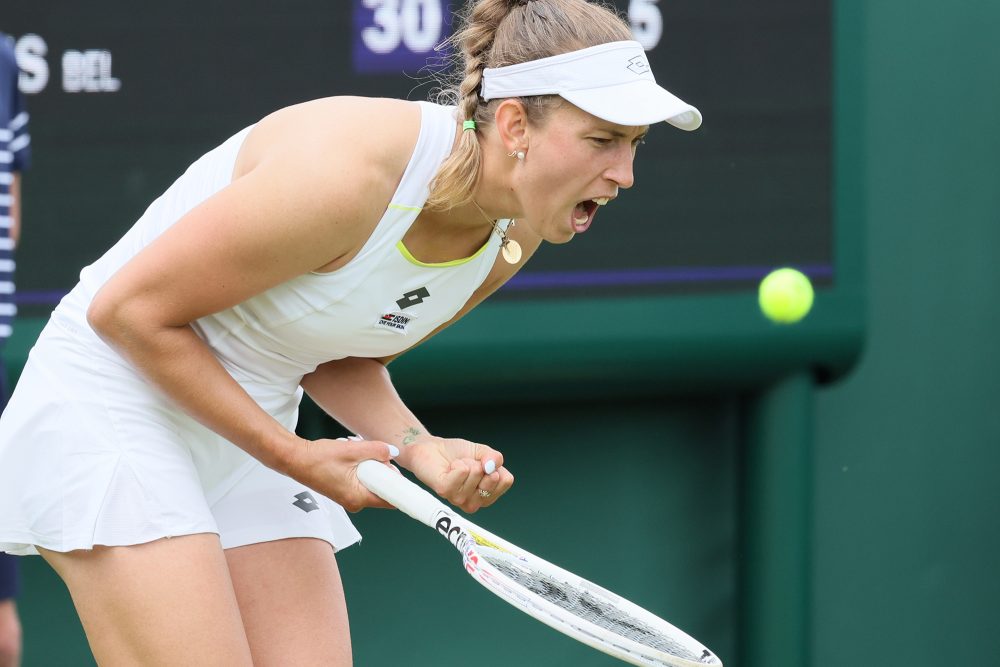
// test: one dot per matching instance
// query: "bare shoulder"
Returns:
(375, 132)
(337, 159)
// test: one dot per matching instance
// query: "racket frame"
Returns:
(472, 540)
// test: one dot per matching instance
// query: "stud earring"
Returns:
(518, 154)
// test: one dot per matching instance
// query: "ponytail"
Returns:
(457, 178)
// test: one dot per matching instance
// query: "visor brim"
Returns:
(636, 103)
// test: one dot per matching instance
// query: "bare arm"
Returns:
(296, 210)
(359, 394)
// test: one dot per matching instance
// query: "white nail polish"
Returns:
(490, 466)
(393, 451)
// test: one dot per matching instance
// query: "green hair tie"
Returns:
(469, 125)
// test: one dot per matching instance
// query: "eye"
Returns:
(601, 141)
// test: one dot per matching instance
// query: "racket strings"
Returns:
(598, 611)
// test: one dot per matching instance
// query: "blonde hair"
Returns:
(496, 33)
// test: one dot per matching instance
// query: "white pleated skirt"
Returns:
(92, 454)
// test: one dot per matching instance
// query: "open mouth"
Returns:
(585, 212)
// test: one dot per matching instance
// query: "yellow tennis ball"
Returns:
(785, 296)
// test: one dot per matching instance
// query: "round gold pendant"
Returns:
(511, 251)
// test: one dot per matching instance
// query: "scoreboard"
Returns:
(124, 95)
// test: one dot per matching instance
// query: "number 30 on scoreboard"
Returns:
(398, 35)
(391, 36)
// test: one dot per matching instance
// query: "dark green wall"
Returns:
(614, 492)
(907, 539)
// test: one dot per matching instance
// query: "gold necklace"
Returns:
(509, 248)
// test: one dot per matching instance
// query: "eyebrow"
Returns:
(621, 135)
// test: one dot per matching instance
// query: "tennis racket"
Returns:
(560, 599)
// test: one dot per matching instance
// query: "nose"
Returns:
(620, 171)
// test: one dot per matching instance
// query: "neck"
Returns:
(494, 194)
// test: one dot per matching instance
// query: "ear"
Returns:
(512, 125)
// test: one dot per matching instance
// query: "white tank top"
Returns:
(382, 302)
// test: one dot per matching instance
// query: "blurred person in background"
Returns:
(15, 152)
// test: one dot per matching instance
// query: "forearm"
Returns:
(359, 394)
(178, 362)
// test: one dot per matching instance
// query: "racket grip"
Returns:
(406, 496)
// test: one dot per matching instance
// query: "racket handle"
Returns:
(392, 487)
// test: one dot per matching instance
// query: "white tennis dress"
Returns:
(91, 453)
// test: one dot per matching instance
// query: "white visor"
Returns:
(611, 81)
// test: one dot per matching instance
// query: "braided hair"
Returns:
(497, 33)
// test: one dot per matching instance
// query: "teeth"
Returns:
(580, 221)
(601, 201)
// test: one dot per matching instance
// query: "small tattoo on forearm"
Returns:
(410, 434)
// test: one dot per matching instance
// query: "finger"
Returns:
(488, 490)
(475, 478)
(468, 491)
(499, 479)
(367, 499)
(490, 458)
(463, 479)
(452, 479)
(359, 497)
(504, 480)
(374, 450)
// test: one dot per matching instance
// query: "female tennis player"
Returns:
(148, 452)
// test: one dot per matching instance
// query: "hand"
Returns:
(330, 467)
(456, 470)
